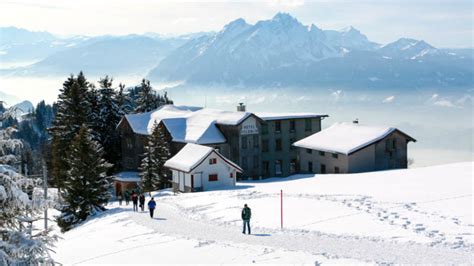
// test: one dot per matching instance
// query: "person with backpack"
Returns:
(151, 207)
(246, 215)
(135, 201)
(141, 199)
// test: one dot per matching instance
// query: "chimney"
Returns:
(241, 107)
(356, 121)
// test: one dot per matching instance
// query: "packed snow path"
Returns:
(170, 221)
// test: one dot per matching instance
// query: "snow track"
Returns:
(171, 221)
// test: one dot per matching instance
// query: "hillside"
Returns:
(414, 216)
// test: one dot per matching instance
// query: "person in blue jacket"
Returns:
(151, 207)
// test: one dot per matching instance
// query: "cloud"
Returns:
(389, 99)
(444, 103)
(337, 94)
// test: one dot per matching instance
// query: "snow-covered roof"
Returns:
(187, 124)
(197, 125)
(191, 155)
(127, 176)
(345, 138)
(280, 116)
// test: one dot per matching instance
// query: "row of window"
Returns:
(245, 141)
(308, 126)
(278, 145)
(322, 168)
(215, 177)
(322, 153)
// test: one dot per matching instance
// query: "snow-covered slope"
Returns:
(407, 49)
(414, 216)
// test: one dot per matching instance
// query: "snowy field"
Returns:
(421, 215)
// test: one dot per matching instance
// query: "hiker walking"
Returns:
(246, 215)
(119, 197)
(135, 201)
(141, 199)
(127, 197)
(151, 207)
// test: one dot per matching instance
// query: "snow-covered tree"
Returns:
(123, 101)
(73, 111)
(86, 189)
(108, 118)
(147, 99)
(157, 151)
(20, 242)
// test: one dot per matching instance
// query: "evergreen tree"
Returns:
(157, 151)
(123, 101)
(86, 189)
(147, 99)
(108, 119)
(21, 243)
(73, 111)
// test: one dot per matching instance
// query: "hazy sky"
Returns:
(447, 23)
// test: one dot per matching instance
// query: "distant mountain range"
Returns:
(276, 52)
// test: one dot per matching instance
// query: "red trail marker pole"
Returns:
(281, 208)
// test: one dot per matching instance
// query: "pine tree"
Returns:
(21, 243)
(153, 173)
(147, 99)
(123, 101)
(108, 118)
(86, 189)
(73, 111)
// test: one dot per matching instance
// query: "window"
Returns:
(323, 168)
(129, 143)
(277, 126)
(321, 153)
(244, 142)
(266, 168)
(245, 163)
(336, 170)
(292, 125)
(278, 146)
(292, 140)
(293, 166)
(255, 141)
(310, 167)
(309, 151)
(212, 161)
(264, 129)
(231, 174)
(278, 167)
(307, 125)
(394, 144)
(256, 162)
(213, 178)
(265, 145)
(335, 155)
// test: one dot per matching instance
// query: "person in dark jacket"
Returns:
(151, 207)
(127, 197)
(246, 215)
(141, 199)
(135, 201)
(119, 197)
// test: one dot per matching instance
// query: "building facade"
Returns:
(345, 148)
(201, 168)
(260, 143)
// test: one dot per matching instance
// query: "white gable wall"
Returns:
(221, 168)
(201, 175)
